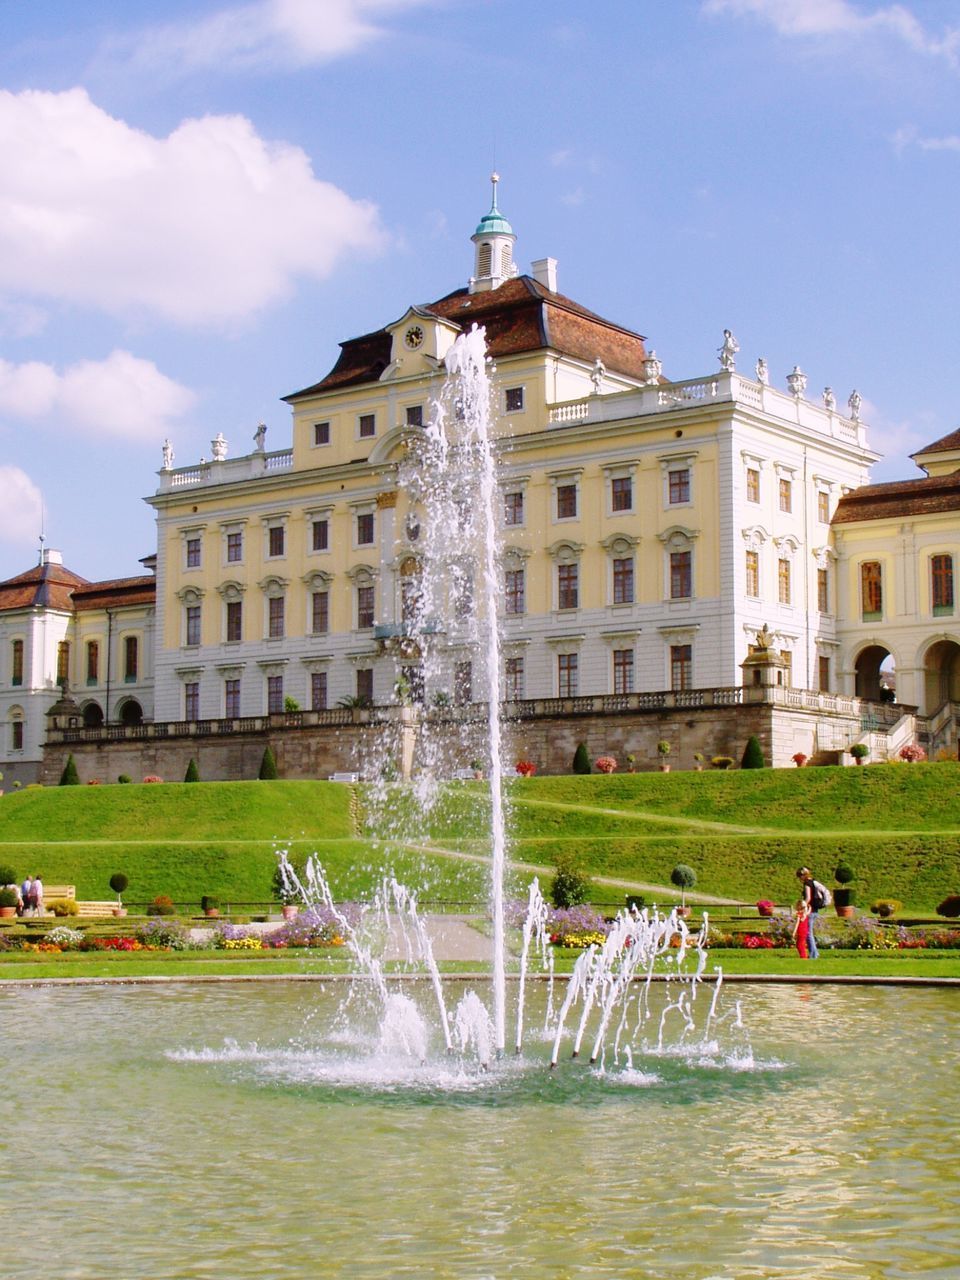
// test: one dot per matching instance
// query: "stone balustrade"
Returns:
(227, 470)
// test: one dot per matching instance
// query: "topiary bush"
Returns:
(950, 906)
(684, 878)
(268, 766)
(70, 777)
(581, 759)
(161, 906)
(571, 885)
(753, 754)
(193, 773)
(118, 882)
(124, 777)
(62, 907)
(7, 875)
(9, 897)
(844, 874)
(886, 907)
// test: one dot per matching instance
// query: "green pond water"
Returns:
(186, 1132)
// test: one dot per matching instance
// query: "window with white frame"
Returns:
(753, 573)
(274, 695)
(365, 528)
(320, 533)
(676, 472)
(681, 666)
(568, 586)
(192, 624)
(318, 691)
(623, 671)
(192, 546)
(191, 700)
(567, 675)
(231, 697)
(366, 425)
(513, 679)
(513, 507)
(513, 399)
(621, 493)
(321, 434)
(514, 583)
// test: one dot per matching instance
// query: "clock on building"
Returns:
(413, 338)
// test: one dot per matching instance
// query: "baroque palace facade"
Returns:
(652, 529)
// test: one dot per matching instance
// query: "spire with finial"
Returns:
(494, 241)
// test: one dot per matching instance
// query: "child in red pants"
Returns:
(801, 926)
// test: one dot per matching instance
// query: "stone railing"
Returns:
(227, 471)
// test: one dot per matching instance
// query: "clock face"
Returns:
(413, 338)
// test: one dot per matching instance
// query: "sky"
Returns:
(200, 200)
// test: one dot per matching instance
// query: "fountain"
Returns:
(450, 475)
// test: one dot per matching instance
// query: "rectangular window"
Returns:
(63, 662)
(16, 729)
(681, 575)
(621, 493)
(513, 507)
(191, 700)
(513, 679)
(680, 486)
(231, 699)
(681, 666)
(786, 495)
(320, 612)
(364, 607)
(783, 581)
(462, 593)
(941, 581)
(823, 674)
(753, 573)
(131, 658)
(234, 621)
(568, 586)
(871, 590)
(823, 506)
(414, 415)
(515, 590)
(321, 535)
(193, 624)
(367, 426)
(234, 547)
(321, 433)
(365, 529)
(275, 540)
(93, 661)
(513, 399)
(823, 590)
(365, 683)
(566, 501)
(623, 671)
(623, 581)
(463, 683)
(17, 662)
(318, 691)
(193, 553)
(567, 667)
(753, 484)
(275, 613)
(274, 695)
(787, 656)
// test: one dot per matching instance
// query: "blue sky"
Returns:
(198, 201)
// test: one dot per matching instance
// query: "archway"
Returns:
(131, 713)
(941, 675)
(92, 715)
(875, 674)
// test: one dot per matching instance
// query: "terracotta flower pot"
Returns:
(290, 911)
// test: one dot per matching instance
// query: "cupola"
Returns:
(494, 239)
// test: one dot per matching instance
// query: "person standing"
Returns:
(37, 896)
(812, 903)
(801, 929)
(26, 895)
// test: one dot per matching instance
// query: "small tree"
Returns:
(7, 875)
(752, 754)
(268, 766)
(193, 773)
(684, 878)
(118, 883)
(70, 777)
(571, 884)
(859, 751)
(581, 759)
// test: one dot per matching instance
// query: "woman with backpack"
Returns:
(815, 898)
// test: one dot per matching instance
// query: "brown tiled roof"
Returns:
(946, 444)
(520, 316)
(927, 496)
(116, 592)
(45, 585)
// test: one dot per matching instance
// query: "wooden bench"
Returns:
(51, 891)
(89, 909)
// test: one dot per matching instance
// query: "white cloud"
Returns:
(840, 17)
(267, 33)
(122, 396)
(204, 227)
(21, 507)
(909, 137)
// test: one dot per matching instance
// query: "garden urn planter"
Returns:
(119, 912)
(664, 768)
(6, 913)
(212, 912)
(290, 911)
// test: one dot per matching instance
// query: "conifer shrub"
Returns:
(581, 759)
(571, 885)
(70, 777)
(268, 766)
(193, 773)
(753, 754)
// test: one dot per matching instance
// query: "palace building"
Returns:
(653, 528)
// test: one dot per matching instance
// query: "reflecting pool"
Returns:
(234, 1131)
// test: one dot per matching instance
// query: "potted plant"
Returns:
(631, 762)
(799, 759)
(912, 752)
(635, 902)
(698, 760)
(525, 768)
(684, 878)
(721, 762)
(844, 897)
(886, 907)
(605, 764)
(859, 751)
(8, 902)
(477, 767)
(118, 883)
(765, 908)
(209, 905)
(663, 749)
(287, 895)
